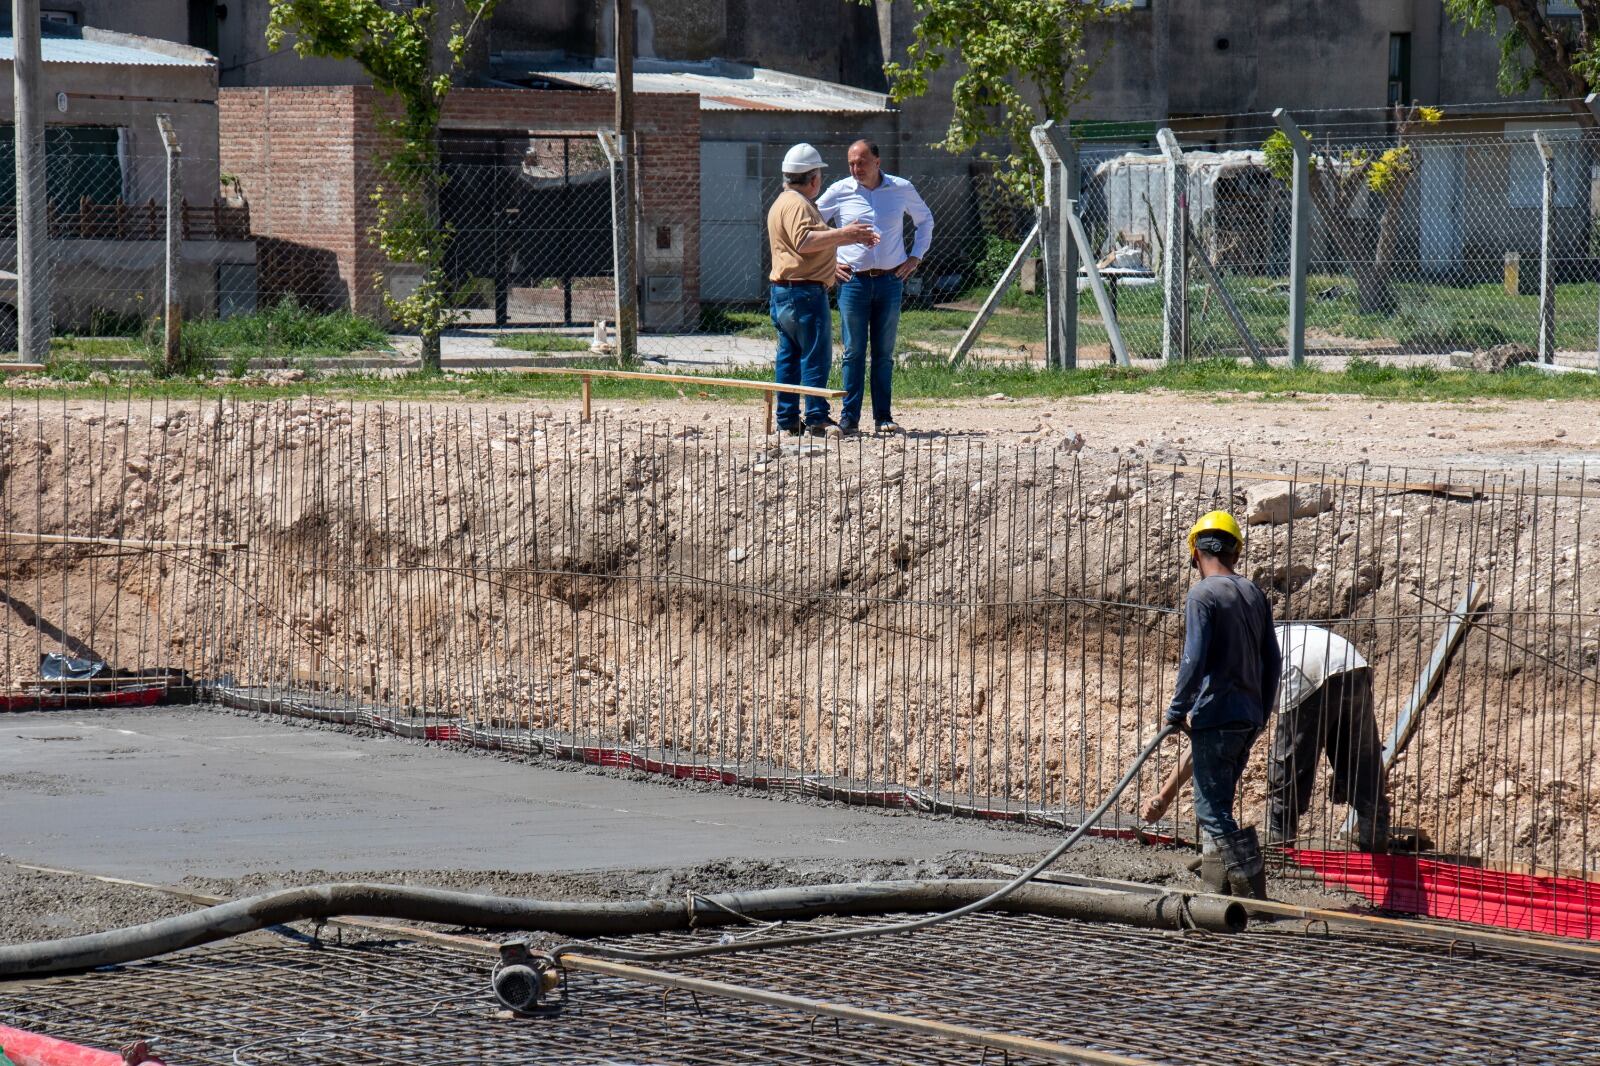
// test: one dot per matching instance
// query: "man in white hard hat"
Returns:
(802, 272)
(872, 279)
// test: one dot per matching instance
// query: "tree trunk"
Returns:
(1374, 295)
(431, 349)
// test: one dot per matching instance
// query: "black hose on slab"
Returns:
(988, 902)
(601, 919)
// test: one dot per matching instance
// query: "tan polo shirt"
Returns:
(791, 217)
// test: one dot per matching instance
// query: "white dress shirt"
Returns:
(885, 209)
(1311, 655)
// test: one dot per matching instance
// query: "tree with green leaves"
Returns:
(1561, 52)
(1022, 61)
(393, 43)
(1341, 179)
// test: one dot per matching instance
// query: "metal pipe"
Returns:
(1003, 1042)
(597, 919)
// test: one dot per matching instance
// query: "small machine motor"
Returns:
(523, 979)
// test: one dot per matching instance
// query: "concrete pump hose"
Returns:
(988, 901)
(949, 898)
(600, 919)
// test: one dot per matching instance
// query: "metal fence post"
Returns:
(1299, 240)
(1592, 102)
(1547, 292)
(33, 238)
(173, 312)
(1175, 262)
(1050, 245)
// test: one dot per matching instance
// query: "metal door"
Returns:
(732, 223)
(1443, 182)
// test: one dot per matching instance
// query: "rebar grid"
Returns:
(1288, 993)
(1293, 992)
(378, 1003)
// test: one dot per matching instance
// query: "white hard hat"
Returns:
(801, 158)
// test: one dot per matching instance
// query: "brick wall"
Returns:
(304, 156)
(291, 150)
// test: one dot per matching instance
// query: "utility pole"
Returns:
(627, 279)
(173, 320)
(33, 263)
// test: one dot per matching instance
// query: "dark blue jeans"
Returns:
(869, 316)
(805, 349)
(1220, 755)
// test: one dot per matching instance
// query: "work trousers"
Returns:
(1335, 721)
(1220, 755)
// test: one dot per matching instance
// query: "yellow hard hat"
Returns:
(1221, 522)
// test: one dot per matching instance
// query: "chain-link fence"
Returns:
(1426, 240)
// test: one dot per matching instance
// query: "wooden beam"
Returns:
(20, 368)
(682, 379)
(16, 537)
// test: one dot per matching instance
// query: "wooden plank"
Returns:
(1445, 488)
(682, 379)
(20, 368)
(17, 537)
(992, 301)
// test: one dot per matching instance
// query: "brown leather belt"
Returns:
(874, 273)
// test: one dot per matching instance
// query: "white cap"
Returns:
(801, 158)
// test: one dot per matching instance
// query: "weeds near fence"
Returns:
(541, 342)
(924, 378)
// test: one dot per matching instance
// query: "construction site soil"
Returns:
(664, 578)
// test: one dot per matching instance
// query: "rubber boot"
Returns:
(1213, 871)
(1247, 872)
(1215, 874)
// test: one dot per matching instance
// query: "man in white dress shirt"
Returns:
(871, 279)
(1325, 707)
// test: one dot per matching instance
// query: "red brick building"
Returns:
(304, 157)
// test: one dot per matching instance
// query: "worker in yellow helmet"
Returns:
(1226, 684)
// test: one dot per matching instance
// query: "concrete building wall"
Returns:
(306, 158)
(126, 276)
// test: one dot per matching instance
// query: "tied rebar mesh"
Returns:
(1286, 993)
(938, 624)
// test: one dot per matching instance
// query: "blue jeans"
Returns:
(1220, 755)
(869, 312)
(805, 349)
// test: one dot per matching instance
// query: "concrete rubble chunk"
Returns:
(1272, 503)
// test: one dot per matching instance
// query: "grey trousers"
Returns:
(1336, 721)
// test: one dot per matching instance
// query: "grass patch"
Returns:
(928, 379)
(286, 329)
(541, 342)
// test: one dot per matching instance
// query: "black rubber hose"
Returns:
(598, 919)
(832, 935)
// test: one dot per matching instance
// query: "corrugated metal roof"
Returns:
(73, 50)
(759, 90)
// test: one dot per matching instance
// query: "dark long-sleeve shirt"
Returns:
(1231, 662)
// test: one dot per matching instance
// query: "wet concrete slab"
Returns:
(167, 793)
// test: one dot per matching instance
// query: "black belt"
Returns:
(816, 283)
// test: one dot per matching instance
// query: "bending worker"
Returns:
(1226, 682)
(1325, 706)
